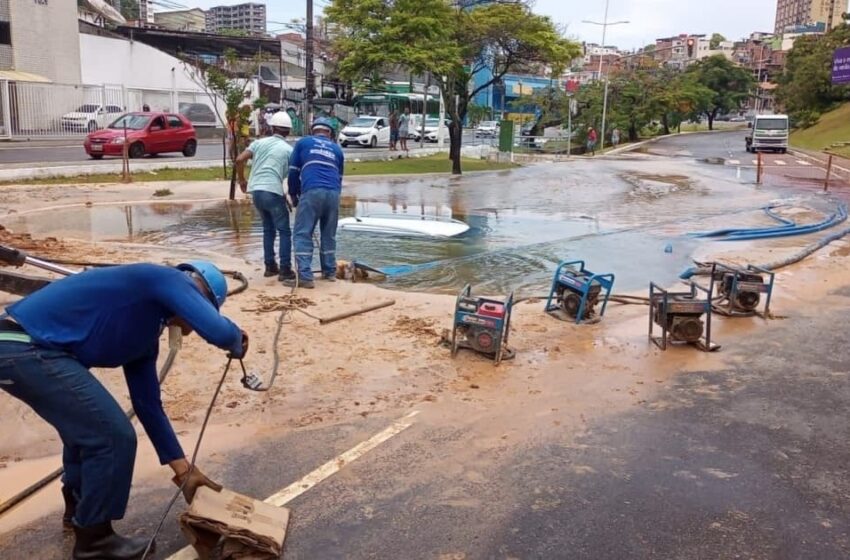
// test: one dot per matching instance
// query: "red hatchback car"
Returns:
(147, 133)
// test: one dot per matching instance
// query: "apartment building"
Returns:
(790, 13)
(249, 18)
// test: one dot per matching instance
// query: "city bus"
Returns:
(381, 104)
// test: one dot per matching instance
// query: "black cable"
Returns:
(194, 456)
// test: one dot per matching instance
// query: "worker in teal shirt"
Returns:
(271, 157)
(109, 317)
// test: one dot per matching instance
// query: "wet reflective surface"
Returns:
(617, 215)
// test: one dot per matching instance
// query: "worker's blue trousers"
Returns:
(316, 206)
(275, 217)
(100, 443)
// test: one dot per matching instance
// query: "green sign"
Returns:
(506, 136)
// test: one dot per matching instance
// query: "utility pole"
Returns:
(309, 82)
(604, 25)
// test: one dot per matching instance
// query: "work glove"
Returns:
(193, 479)
(241, 355)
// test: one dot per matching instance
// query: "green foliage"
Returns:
(130, 9)
(716, 39)
(233, 32)
(805, 87)
(478, 113)
(453, 45)
(730, 85)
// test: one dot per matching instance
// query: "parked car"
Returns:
(147, 133)
(487, 128)
(198, 114)
(365, 131)
(432, 124)
(90, 117)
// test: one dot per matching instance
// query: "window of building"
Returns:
(5, 33)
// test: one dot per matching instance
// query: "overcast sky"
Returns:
(648, 19)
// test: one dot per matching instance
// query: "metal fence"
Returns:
(39, 110)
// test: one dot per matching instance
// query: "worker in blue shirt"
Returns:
(314, 186)
(109, 317)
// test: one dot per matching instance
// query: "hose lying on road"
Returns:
(787, 229)
(703, 270)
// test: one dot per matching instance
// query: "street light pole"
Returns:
(309, 82)
(604, 25)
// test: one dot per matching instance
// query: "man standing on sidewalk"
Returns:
(271, 164)
(315, 182)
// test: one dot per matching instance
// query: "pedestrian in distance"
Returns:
(315, 183)
(404, 128)
(109, 317)
(591, 140)
(271, 156)
(615, 137)
(394, 127)
(146, 108)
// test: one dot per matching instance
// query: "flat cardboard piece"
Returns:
(250, 529)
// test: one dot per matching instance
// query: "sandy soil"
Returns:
(379, 363)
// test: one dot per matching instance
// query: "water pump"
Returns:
(482, 324)
(576, 291)
(684, 317)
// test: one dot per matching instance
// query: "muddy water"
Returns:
(619, 216)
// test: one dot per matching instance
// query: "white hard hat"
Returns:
(280, 120)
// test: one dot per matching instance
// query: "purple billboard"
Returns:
(841, 66)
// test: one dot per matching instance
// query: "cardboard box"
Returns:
(248, 528)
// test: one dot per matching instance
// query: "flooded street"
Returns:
(619, 215)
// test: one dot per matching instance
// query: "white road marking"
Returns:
(802, 162)
(330, 468)
(755, 162)
(780, 162)
(734, 162)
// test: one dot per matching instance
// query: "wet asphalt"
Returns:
(748, 461)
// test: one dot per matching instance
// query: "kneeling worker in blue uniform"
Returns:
(314, 186)
(109, 317)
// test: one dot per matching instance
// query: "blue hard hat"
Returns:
(323, 122)
(213, 278)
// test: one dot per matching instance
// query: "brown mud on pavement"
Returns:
(340, 383)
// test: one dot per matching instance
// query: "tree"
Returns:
(233, 32)
(128, 8)
(222, 82)
(805, 86)
(716, 39)
(454, 45)
(730, 85)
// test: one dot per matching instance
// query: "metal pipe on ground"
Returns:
(346, 315)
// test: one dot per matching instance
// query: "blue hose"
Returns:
(788, 228)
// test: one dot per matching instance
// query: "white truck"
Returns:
(768, 132)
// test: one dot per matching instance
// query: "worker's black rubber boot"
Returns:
(286, 274)
(308, 284)
(271, 270)
(101, 542)
(70, 507)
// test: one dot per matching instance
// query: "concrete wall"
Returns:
(44, 39)
(106, 60)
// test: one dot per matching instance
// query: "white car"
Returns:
(487, 128)
(90, 117)
(365, 131)
(431, 126)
